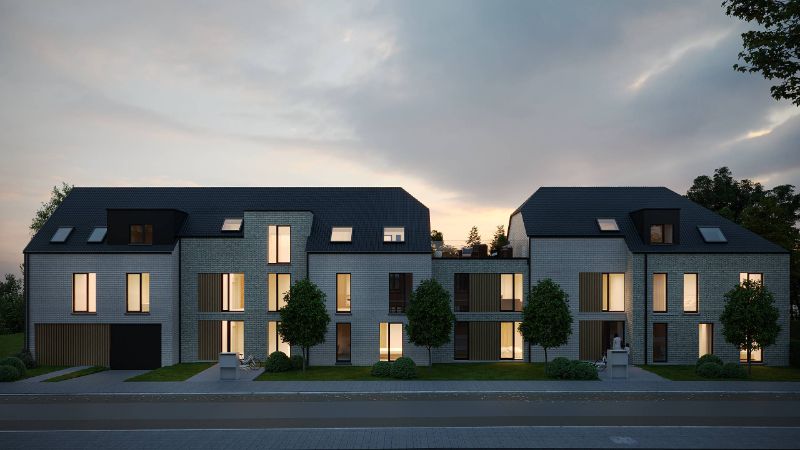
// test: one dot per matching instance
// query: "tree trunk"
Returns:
(530, 357)
(749, 371)
(430, 362)
(305, 358)
(545, 357)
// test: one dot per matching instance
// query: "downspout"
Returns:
(646, 326)
(25, 284)
(180, 298)
(530, 281)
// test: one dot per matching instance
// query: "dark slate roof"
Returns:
(368, 210)
(573, 212)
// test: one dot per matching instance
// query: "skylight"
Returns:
(341, 234)
(61, 234)
(712, 234)
(607, 224)
(232, 224)
(98, 234)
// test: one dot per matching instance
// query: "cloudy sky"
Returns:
(471, 106)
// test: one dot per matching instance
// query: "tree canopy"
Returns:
(12, 305)
(304, 318)
(499, 240)
(546, 320)
(430, 316)
(474, 238)
(58, 194)
(750, 318)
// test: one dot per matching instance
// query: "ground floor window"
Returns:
(659, 342)
(275, 342)
(706, 339)
(391, 341)
(233, 337)
(461, 340)
(342, 342)
(755, 355)
(510, 340)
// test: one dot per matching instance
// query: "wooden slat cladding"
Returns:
(72, 344)
(484, 292)
(484, 341)
(209, 339)
(209, 292)
(591, 340)
(590, 291)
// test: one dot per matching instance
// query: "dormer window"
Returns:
(341, 234)
(712, 235)
(661, 233)
(607, 224)
(98, 235)
(394, 234)
(141, 234)
(61, 235)
(232, 224)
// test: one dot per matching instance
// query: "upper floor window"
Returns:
(661, 233)
(755, 277)
(98, 235)
(607, 224)
(511, 292)
(394, 234)
(691, 292)
(613, 292)
(233, 292)
(461, 292)
(232, 224)
(278, 247)
(84, 293)
(659, 292)
(712, 234)
(141, 234)
(399, 292)
(341, 234)
(138, 292)
(342, 292)
(61, 234)
(278, 285)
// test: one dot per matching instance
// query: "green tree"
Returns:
(474, 238)
(304, 319)
(750, 318)
(430, 316)
(437, 235)
(57, 196)
(12, 305)
(499, 240)
(546, 320)
(773, 49)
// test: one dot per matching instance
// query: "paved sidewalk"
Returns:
(53, 374)
(212, 375)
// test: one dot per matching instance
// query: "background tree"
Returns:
(474, 238)
(57, 196)
(430, 316)
(771, 213)
(774, 48)
(437, 235)
(304, 319)
(499, 240)
(12, 305)
(750, 318)
(546, 320)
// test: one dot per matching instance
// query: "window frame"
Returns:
(605, 301)
(696, 293)
(226, 286)
(514, 332)
(606, 222)
(392, 241)
(747, 277)
(666, 293)
(723, 238)
(461, 305)
(335, 228)
(270, 288)
(226, 222)
(666, 342)
(350, 343)
(403, 276)
(455, 350)
(389, 341)
(514, 298)
(711, 338)
(88, 282)
(349, 288)
(277, 339)
(664, 240)
(68, 233)
(278, 245)
(227, 325)
(89, 239)
(141, 290)
(147, 231)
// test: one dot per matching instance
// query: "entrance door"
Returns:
(135, 346)
(611, 328)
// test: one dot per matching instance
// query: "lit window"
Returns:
(232, 224)
(391, 341)
(233, 292)
(61, 234)
(661, 234)
(138, 300)
(342, 342)
(755, 355)
(278, 286)
(511, 292)
(279, 244)
(607, 224)
(341, 234)
(97, 235)
(748, 276)
(84, 292)
(691, 292)
(712, 234)
(342, 292)
(510, 340)
(614, 292)
(659, 292)
(141, 234)
(275, 341)
(394, 234)
(706, 339)
(233, 337)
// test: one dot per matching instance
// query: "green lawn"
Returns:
(10, 344)
(760, 373)
(465, 371)
(178, 372)
(76, 374)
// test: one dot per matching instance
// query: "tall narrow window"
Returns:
(461, 340)
(659, 342)
(691, 292)
(755, 277)
(342, 342)
(510, 341)
(233, 292)
(391, 341)
(84, 293)
(659, 292)
(141, 234)
(275, 342)
(233, 336)
(705, 339)
(399, 292)
(278, 285)
(279, 244)
(461, 292)
(138, 292)
(511, 292)
(614, 292)
(342, 292)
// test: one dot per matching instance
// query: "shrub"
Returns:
(709, 370)
(707, 358)
(381, 369)
(404, 368)
(27, 358)
(297, 362)
(582, 370)
(8, 373)
(733, 370)
(558, 368)
(278, 362)
(15, 363)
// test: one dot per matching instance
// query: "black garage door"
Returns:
(135, 346)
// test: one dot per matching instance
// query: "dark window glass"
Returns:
(461, 292)
(142, 234)
(342, 342)
(661, 234)
(461, 340)
(399, 292)
(659, 342)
